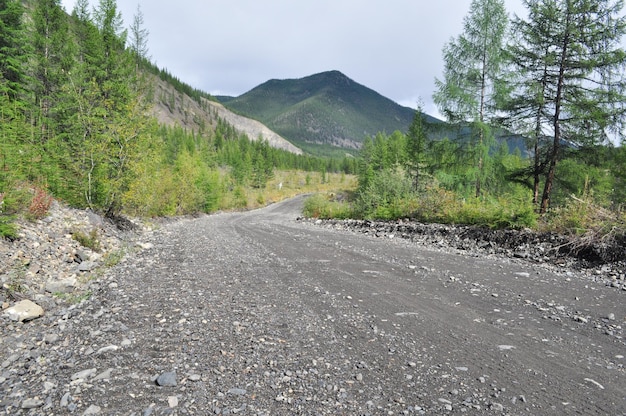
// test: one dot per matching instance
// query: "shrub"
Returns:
(383, 195)
(88, 240)
(39, 205)
(320, 206)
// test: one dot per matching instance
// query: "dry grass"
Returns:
(287, 184)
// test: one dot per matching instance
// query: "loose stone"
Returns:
(167, 379)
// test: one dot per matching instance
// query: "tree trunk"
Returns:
(558, 102)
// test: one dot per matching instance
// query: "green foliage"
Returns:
(113, 258)
(384, 196)
(90, 240)
(570, 65)
(8, 228)
(321, 206)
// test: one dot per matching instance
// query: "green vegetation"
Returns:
(74, 94)
(565, 91)
(327, 108)
(87, 240)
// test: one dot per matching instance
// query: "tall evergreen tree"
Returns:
(12, 41)
(12, 78)
(52, 60)
(139, 37)
(571, 66)
(416, 147)
(473, 78)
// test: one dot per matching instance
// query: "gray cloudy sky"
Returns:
(230, 46)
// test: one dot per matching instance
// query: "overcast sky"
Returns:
(229, 47)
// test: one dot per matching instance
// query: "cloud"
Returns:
(229, 47)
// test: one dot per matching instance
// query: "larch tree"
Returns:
(473, 77)
(416, 148)
(138, 41)
(571, 85)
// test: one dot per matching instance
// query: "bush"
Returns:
(384, 196)
(88, 240)
(320, 206)
(40, 205)
(8, 229)
(442, 206)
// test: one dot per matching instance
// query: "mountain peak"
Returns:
(325, 108)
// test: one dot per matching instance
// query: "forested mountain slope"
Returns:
(325, 108)
(171, 107)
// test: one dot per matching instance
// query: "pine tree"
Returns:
(473, 77)
(571, 67)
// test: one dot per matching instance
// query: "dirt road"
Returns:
(258, 314)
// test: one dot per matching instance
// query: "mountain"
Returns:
(330, 109)
(171, 107)
(326, 108)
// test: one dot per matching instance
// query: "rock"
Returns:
(86, 266)
(105, 375)
(51, 338)
(65, 400)
(85, 374)
(61, 286)
(237, 392)
(107, 349)
(92, 410)
(24, 311)
(32, 403)
(167, 379)
(172, 401)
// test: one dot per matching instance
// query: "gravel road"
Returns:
(258, 314)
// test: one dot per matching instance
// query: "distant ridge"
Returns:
(326, 108)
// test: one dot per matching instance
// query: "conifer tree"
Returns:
(571, 66)
(416, 147)
(52, 61)
(12, 53)
(12, 78)
(139, 37)
(473, 78)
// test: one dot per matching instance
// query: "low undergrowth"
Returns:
(592, 232)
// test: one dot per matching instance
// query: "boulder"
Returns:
(23, 311)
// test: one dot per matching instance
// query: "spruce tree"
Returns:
(473, 76)
(12, 79)
(12, 56)
(52, 61)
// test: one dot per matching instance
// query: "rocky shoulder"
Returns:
(57, 261)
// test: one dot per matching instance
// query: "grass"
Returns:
(285, 185)
(88, 240)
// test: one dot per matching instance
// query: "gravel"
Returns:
(260, 314)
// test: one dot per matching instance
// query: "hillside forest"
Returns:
(76, 92)
(75, 99)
